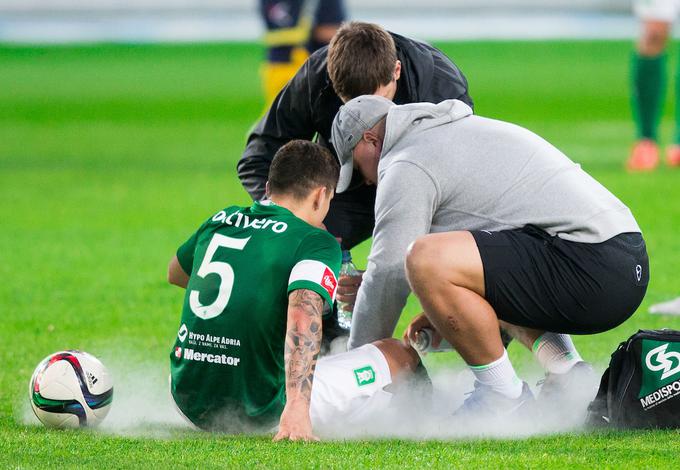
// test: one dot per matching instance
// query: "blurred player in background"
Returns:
(240, 363)
(295, 29)
(649, 89)
(649, 84)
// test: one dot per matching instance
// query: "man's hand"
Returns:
(295, 424)
(348, 286)
(417, 324)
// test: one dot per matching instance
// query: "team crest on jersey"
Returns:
(364, 375)
(329, 282)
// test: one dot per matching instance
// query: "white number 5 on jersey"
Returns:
(222, 269)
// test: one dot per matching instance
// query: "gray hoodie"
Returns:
(443, 169)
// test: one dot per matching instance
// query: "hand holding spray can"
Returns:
(423, 342)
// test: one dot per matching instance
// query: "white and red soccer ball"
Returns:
(71, 389)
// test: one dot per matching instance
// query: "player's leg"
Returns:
(649, 80)
(285, 39)
(567, 375)
(446, 272)
(353, 387)
(555, 352)
(403, 360)
(673, 151)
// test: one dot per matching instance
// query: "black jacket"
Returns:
(307, 105)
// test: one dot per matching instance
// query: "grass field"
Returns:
(111, 155)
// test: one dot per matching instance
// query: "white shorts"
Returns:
(349, 387)
(659, 10)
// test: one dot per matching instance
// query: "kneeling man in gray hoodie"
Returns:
(487, 223)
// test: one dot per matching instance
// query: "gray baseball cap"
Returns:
(349, 125)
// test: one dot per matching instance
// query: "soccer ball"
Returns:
(71, 389)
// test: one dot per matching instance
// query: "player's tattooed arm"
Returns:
(303, 342)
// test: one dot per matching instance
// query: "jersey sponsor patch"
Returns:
(191, 355)
(316, 272)
(329, 282)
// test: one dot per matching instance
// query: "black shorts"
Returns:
(539, 281)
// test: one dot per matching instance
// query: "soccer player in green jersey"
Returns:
(649, 84)
(240, 363)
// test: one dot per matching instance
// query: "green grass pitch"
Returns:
(110, 156)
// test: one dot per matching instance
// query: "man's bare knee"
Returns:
(424, 258)
(452, 258)
(421, 261)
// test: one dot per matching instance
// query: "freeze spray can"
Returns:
(423, 342)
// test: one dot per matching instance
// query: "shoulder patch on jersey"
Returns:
(329, 282)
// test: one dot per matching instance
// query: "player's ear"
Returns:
(266, 189)
(397, 70)
(327, 194)
(320, 195)
(316, 199)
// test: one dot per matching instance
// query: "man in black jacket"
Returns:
(362, 58)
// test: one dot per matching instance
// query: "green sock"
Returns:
(648, 87)
(677, 106)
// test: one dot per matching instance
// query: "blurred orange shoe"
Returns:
(645, 156)
(673, 155)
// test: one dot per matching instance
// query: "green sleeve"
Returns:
(317, 267)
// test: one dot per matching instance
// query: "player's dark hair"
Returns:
(301, 166)
(361, 58)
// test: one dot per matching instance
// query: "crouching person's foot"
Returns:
(565, 397)
(485, 405)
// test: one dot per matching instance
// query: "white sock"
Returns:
(556, 352)
(500, 376)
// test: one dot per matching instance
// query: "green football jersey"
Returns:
(227, 364)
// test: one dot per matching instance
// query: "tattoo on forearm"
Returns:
(303, 342)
